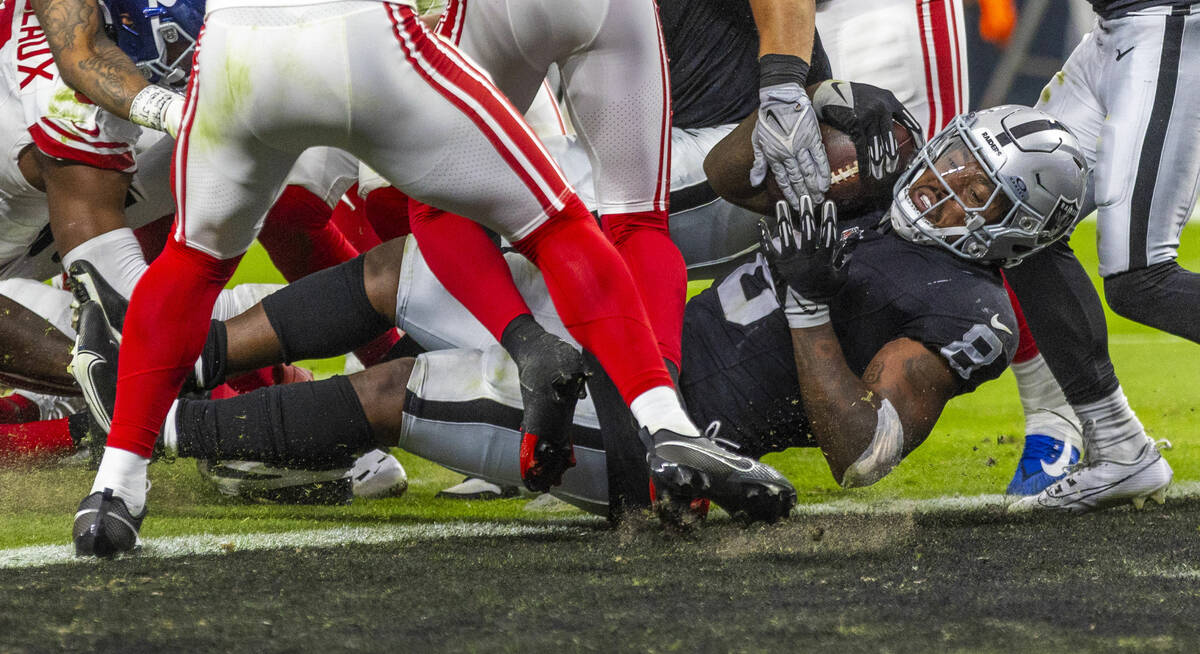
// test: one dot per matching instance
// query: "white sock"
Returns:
(117, 255)
(236, 300)
(170, 435)
(1117, 434)
(1046, 408)
(199, 368)
(659, 408)
(125, 473)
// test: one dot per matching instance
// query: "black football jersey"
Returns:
(738, 366)
(712, 46)
(1118, 8)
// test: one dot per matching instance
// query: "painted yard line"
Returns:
(197, 544)
(956, 504)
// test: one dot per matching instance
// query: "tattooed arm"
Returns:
(87, 59)
(844, 410)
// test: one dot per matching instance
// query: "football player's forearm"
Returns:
(87, 60)
(842, 409)
(785, 26)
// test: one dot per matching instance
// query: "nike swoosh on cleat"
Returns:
(90, 360)
(732, 459)
(1059, 466)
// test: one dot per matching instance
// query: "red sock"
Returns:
(1026, 347)
(299, 236)
(388, 213)
(350, 217)
(40, 439)
(165, 328)
(18, 408)
(595, 295)
(485, 285)
(657, 266)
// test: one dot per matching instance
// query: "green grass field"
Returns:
(972, 450)
(497, 577)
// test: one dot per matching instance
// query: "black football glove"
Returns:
(865, 113)
(809, 264)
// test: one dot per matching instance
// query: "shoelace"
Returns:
(711, 431)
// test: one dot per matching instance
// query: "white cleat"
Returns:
(378, 474)
(1102, 484)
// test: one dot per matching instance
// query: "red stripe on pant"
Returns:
(450, 25)
(179, 161)
(461, 84)
(165, 328)
(596, 298)
(663, 187)
(943, 99)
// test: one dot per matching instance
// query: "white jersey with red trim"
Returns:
(63, 124)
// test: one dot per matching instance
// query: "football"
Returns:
(851, 191)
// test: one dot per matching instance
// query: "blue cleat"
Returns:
(1044, 461)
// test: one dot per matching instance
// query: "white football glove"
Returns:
(787, 138)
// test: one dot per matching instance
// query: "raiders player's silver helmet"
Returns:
(994, 186)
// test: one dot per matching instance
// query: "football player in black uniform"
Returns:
(1129, 92)
(851, 337)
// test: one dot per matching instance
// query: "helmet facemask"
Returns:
(175, 47)
(958, 195)
(160, 37)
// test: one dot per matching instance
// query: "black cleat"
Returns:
(94, 363)
(552, 381)
(89, 286)
(104, 527)
(686, 468)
